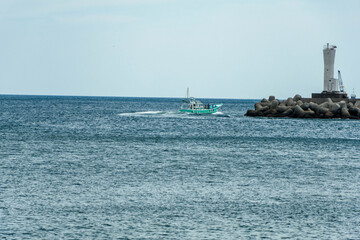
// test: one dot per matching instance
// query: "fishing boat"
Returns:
(191, 105)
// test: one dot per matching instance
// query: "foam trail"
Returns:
(169, 114)
(220, 114)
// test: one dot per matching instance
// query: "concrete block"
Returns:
(297, 97)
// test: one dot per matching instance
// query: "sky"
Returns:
(244, 49)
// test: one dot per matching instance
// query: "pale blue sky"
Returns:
(157, 48)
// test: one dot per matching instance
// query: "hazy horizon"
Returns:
(157, 48)
(109, 96)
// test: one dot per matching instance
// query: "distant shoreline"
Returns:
(85, 96)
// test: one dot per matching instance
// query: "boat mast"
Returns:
(187, 94)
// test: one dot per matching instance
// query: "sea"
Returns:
(137, 168)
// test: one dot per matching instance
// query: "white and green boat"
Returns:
(191, 105)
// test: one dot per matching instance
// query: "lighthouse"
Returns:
(331, 84)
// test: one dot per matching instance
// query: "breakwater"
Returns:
(298, 107)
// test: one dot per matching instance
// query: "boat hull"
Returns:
(200, 111)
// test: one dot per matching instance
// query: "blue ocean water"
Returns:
(136, 168)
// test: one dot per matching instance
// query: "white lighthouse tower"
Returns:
(331, 84)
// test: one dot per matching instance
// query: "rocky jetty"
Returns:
(296, 108)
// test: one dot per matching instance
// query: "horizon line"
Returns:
(59, 95)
